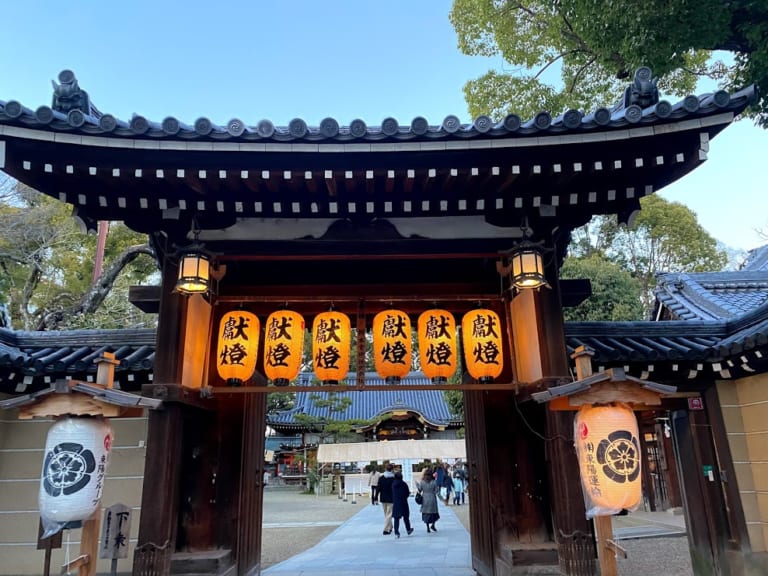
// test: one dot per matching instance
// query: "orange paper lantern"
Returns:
(608, 450)
(283, 346)
(237, 346)
(331, 341)
(481, 338)
(437, 344)
(392, 344)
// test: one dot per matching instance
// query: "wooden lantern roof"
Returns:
(388, 188)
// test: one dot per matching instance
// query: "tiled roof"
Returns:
(646, 341)
(716, 295)
(92, 122)
(430, 404)
(757, 260)
(746, 333)
(39, 358)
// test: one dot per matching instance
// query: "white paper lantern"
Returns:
(74, 469)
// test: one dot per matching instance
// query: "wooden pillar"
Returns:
(481, 534)
(251, 485)
(713, 515)
(540, 352)
(162, 467)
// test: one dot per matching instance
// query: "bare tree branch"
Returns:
(579, 73)
(95, 295)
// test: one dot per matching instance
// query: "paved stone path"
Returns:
(358, 548)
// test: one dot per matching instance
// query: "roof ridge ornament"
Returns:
(642, 91)
(68, 96)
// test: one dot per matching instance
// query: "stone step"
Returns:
(205, 563)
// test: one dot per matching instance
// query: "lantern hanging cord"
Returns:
(195, 229)
(536, 432)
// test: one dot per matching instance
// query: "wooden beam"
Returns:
(605, 554)
(73, 403)
(606, 392)
(224, 390)
(89, 543)
(563, 403)
(105, 369)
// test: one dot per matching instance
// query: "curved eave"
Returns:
(437, 424)
(160, 183)
(389, 131)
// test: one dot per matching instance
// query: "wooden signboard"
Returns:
(115, 532)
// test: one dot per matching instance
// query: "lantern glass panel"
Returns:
(194, 273)
(528, 269)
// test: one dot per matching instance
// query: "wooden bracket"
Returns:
(616, 549)
(76, 564)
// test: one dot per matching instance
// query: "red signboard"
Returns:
(695, 404)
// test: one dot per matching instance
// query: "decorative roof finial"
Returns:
(69, 96)
(642, 91)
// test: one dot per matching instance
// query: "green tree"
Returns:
(595, 45)
(47, 267)
(664, 237)
(616, 295)
(280, 401)
(328, 425)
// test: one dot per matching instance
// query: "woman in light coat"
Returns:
(429, 491)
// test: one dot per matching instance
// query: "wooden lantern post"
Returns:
(77, 398)
(605, 388)
(607, 549)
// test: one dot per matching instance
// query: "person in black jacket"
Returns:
(400, 508)
(385, 496)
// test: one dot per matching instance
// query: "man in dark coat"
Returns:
(385, 496)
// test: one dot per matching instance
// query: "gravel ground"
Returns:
(294, 522)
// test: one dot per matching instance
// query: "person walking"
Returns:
(446, 484)
(385, 496)
(458, 489)
(400, 508)
(373, 482)
(429, 490)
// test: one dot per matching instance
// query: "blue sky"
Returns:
(308, 59)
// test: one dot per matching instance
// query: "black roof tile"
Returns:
(330, 130)
(430, 404)
(716, 295)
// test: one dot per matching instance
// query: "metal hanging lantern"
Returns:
(392, 344)
(283, 346)
(527, 267)
(608, 449)
(482, 344)
(437, 344)
(331, 342)
(194, 273)
(237, 346)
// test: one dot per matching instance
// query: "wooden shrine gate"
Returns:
(360, 218)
